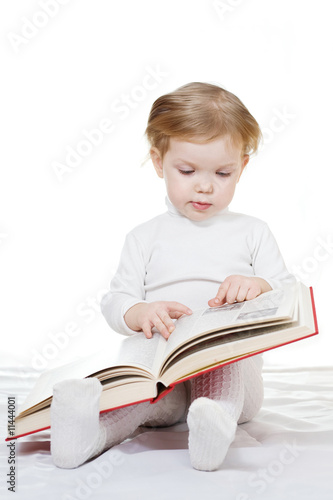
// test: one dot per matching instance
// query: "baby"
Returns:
(197, 253)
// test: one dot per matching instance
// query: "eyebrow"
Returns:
(230, 164)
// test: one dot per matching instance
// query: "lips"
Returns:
(200, 206)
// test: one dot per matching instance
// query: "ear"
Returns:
(157, 161)
(245, 161)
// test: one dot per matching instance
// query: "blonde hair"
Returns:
(201, 112)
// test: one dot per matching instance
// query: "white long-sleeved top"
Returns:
(171, 257)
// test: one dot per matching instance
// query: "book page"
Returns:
(137, 350)
(80, 368)
(134, 351)
(272, 305)
(221, 345)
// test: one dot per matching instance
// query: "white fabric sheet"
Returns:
(286, 452)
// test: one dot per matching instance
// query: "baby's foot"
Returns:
(74, 421)
(211, 431)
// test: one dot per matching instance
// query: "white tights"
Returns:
(220, 399)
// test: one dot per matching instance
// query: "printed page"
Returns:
(136, 351)
(226, 345)
(80, 368)
(272, 305)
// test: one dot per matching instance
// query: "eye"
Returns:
(186, 172)
(223, 174)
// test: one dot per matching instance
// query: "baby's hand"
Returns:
(145, 316)
(239, 288)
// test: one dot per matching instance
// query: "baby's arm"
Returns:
(237, 288)
(127, 285)
(266, 261)
(159, 314)
(124, 306)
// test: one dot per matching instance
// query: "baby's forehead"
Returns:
(220, 148)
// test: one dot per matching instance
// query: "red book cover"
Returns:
(171, 387)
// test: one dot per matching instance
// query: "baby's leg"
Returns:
(235, 395)
(170, 409)
(218, 399)
(78, 432)
(253, 387)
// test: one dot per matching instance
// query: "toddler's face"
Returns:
(200, 178)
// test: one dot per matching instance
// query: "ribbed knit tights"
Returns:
(79, 432)
(221, 399)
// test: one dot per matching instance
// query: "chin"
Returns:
(199, 216)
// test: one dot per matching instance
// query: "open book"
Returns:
(147, 369)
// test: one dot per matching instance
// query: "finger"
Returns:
(216, 302)
(242, 293)
(166, 319)
(222, 293)
(253, 293)
(232, 293)
(158, 323)
(178, 307)
(175, 314)
(146, 328)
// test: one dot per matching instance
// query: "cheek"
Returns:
(178, 191)
(227, 186)
(227, 190)
(177, 184)
(175, 187)
(232, 189)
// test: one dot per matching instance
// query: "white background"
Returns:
(66, 68)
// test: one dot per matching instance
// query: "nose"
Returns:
(204, 185)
